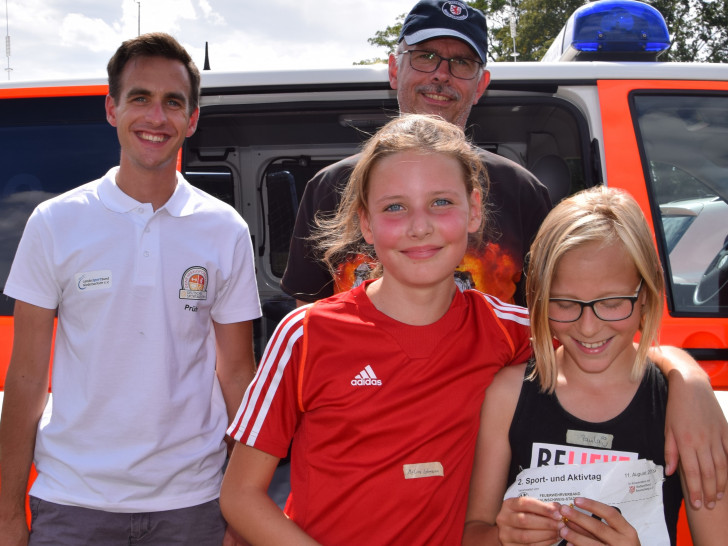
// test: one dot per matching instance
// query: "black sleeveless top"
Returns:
(640, 428)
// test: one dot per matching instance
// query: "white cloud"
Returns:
(58, 39)
(97, 35)
(210, 15)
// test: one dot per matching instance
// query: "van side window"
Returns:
(682, 137)
(47, 146)
(285, 180)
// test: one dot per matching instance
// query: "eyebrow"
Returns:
(137, 91)
(398, 197)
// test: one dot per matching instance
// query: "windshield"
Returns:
(683, 137)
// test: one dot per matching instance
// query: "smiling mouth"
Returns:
(421, 253)
(152, 138)
(594, 345)
(441, 98)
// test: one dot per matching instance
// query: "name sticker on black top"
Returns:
(589, 439)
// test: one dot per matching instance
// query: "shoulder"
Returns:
(68, 203)
(486, 303)
(502, 395)
(508, 177)
(497, 164)
(289, 329)
(333, 175)
(337, 307)
(201, 203)
(655, 379)
(508, 380)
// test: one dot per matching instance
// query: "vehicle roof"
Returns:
(563, 73)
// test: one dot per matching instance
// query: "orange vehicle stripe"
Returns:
(61, 91)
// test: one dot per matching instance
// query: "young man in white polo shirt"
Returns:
(154, 285)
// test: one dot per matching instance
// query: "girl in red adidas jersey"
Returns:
(379, 388)
(594, 281)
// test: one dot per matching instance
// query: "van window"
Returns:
(273, 150)
(682, 137)
(47, 146)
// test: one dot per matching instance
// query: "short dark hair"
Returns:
(153, 44)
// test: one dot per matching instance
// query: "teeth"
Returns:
(437, 97)
(593, 345)
(151, 138)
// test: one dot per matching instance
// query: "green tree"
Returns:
(387, 39)
(537, 24)
(699, 28)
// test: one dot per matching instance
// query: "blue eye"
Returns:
(394, 207)
(442, 202)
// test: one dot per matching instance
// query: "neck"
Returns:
(155, 187)
(594, 397)
(411, 305)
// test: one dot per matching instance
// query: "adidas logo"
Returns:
(366, 377)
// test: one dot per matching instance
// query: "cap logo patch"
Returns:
(455, 10)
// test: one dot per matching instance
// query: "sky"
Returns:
(61, 39)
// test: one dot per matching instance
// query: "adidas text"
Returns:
(356, 382)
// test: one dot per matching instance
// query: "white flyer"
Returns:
(633, 487)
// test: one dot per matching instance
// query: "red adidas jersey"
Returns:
(383, 415)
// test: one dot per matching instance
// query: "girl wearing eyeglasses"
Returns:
(594, 281)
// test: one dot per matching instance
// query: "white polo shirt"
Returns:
(138, 416)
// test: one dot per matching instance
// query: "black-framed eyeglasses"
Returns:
(609, 309)
(427, 61)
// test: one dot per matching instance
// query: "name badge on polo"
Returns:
(194, 284)
(93, 280)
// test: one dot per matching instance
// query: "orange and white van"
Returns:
(602, 110)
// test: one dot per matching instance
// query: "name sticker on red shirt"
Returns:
(422, 470)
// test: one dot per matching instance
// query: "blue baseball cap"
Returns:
(437, 19)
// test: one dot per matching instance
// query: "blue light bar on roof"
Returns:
(611, 30)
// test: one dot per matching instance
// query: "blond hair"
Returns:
(340, 236)
(603, 215)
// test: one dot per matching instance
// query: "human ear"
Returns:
(392, 71)
(476, 211)
(192, 125)
(482, 85)
(110, 106)
(365, 226)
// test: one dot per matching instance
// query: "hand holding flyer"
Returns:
(633, 487)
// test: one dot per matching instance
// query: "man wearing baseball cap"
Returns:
(438, 68)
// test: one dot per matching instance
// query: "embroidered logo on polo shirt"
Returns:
(194, 284)
(93, 280)
(366, 377)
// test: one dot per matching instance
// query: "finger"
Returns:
(575, 538)
(533, 506)
(528, 537)
(525, 521)
(528, 521)
(708, 477)
(720, 459)
(611, 515)
(690, 471)
(671, 453)
(724, 471)
(608, 527)
(529, 513)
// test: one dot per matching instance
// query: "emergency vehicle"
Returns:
(601, 110)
